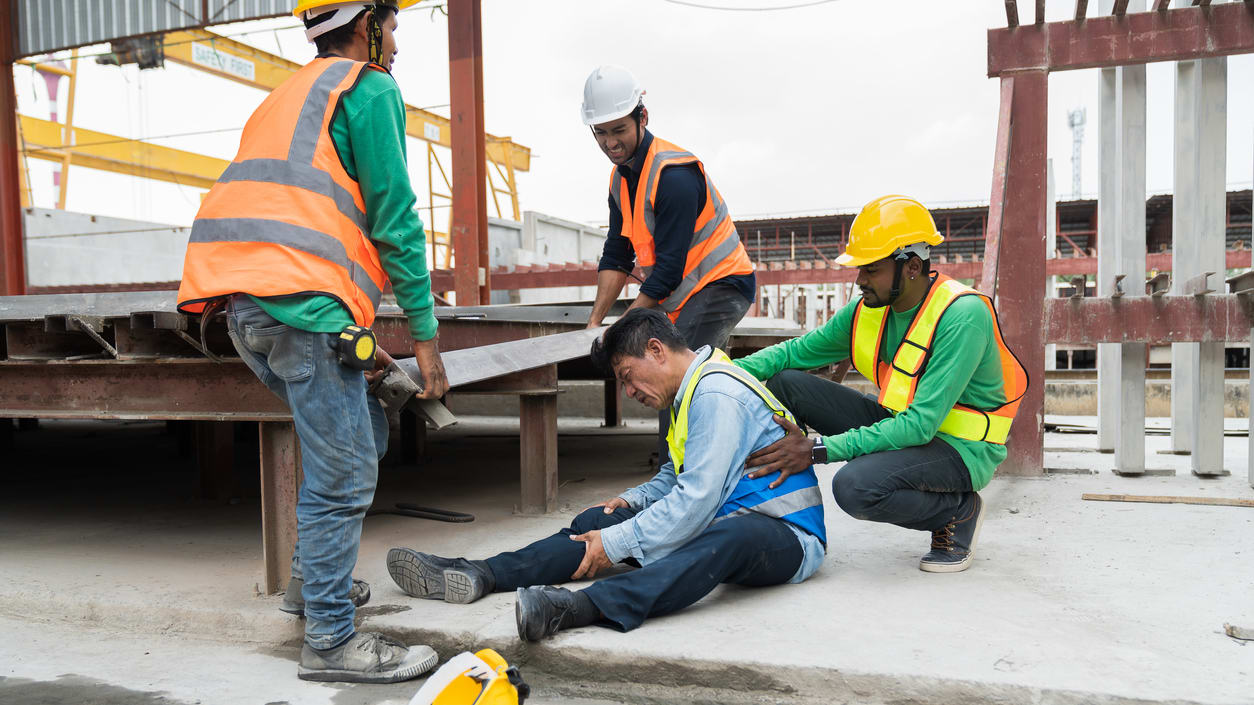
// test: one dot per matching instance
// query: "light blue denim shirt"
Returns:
(727, 421)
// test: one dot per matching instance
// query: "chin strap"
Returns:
(899, 263)
(374, 34)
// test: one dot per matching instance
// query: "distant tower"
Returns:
(1075, 119)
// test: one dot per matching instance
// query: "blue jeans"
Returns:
(752, 550)
(343, 432)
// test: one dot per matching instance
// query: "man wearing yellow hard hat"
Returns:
(297, 240)
(916, 454)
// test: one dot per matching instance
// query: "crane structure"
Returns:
(63, 142)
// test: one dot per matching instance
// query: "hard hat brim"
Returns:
(608, 117)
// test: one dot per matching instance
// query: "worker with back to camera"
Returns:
(298, 239)
(666, 216)
(948, 389)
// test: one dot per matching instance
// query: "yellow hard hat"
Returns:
(481, 678)
(304, 5)
(886, 225)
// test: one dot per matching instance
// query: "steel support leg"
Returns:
(613, 403)
(1017, 228)
(1107, 249)
(468, 225)
(538, 449)
(12, 250)
(215, 458)
(280, 485)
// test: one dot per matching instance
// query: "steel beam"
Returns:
(1019, 285)
(1179, 34)
(1012, 13)
(281, 478)
(468, 225)
(997, 202)
(1149, 320)
(1081, 9)
(12, 251)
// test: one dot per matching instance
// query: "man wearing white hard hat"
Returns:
(297, 240)
(666, 216)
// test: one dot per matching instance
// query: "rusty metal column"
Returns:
(280, 485)
(1020, 272)
(468, 224)
(12, 252)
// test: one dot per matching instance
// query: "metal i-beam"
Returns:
(44, 139)
(468, 224)
(1019, 190)
(1142, 37)
(1081, 9)
(1012, 13)
(250, 66)
(12, 253)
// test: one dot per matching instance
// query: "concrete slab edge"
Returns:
(576, 671)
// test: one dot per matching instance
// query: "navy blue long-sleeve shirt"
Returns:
(680, 199)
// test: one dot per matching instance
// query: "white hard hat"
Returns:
(609, 93)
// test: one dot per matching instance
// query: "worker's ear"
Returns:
(362, 28)
(914, 267)
(644, 116)
(657, 350)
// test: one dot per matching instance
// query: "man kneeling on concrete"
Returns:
(699, 522)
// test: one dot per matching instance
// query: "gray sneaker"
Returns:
(953, 545)
(294, 602)
(455, 580)
(366, 657)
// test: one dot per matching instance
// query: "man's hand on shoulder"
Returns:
(434, 379)
(789, 455)
(594, 558)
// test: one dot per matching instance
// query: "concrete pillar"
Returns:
(1051, 238)
(1130, 226)
(1107, 250)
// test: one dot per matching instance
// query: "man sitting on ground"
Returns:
(699, 522)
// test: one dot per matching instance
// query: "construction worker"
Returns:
(299, 237)
(676, 227)
(698, 523)
(919, 452)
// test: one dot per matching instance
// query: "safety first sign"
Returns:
(207, 56)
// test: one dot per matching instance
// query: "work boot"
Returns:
(953, 545)
(294, 602)
(543, 610)
(455, 580)
(366, 657)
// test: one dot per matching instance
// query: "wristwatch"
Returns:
(818, 454)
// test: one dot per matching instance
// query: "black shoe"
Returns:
(294, 602)
(953, 545)
(543, 610)
(455, 580)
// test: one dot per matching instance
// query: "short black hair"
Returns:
(630, 336)
(343, 34)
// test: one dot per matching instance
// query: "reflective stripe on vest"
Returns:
(797, 500)
(715, 250)
(285, 217)
(899, 379)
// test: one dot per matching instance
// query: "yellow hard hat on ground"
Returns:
(305, 5)
(886, 226)
(482, 678)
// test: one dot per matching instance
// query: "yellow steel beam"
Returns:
(44, 139)
(254, 67)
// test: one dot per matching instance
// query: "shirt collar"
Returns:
(703, 353)
(637, 160)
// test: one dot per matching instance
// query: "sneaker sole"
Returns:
(959, 566)
(425, 663)
(458, 588)
(414, 577)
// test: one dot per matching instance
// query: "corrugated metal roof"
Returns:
(49, 25)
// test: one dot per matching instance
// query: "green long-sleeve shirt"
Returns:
(369, 134)
(964, 367)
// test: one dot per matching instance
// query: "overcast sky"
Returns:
(798, 111)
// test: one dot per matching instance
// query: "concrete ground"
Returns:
(119, 585)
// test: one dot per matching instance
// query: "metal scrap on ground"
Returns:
(1159, 499)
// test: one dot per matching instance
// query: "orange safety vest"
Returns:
(715, 250)
(897, 381)
(285, 217)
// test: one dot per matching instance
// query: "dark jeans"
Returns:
(707, 318)
(750, 549)
(917, 488)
